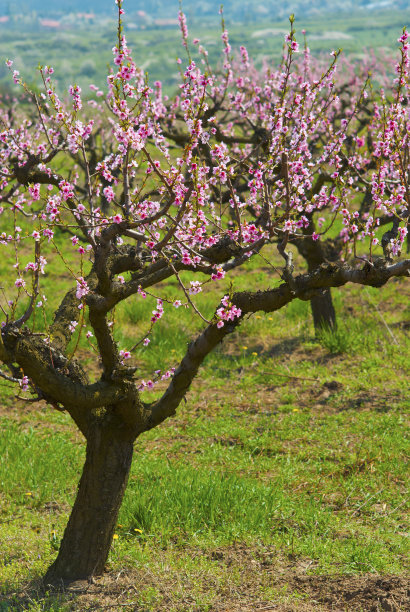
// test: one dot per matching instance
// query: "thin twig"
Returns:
(42, 121)
(181, 284)
(367, 501)
(8, 377)
(34, 295)
(403, 503)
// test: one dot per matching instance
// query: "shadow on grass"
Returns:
(285, 347)
(35, 597)
(32, 597)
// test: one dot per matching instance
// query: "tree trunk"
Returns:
(324, 315)
(316, 253)
(88, 535)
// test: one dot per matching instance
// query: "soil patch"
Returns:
(368, 593)
(239, 579)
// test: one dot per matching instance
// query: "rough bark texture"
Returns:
(323, 312)
(88, 535)
(315, 254)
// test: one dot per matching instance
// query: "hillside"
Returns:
(248, 10)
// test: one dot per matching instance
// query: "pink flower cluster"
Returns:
(239, 159)
(227, 312)
(24, 383)
(82, 288)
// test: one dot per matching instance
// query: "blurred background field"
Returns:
(76, 38)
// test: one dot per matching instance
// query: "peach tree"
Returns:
(136, 188)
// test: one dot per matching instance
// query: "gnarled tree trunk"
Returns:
(323, 312)
(316, 253)
(88, 535)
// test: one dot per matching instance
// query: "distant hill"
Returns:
(235, 10)
(76, 36)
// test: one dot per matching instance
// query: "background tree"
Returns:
(186, 188)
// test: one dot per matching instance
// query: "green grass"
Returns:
(241, 481)
(288, 443)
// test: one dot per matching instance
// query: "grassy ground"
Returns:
(280, 484)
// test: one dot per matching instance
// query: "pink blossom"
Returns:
(218, 274)
(124, 355)
(24, 382)
(82, 288)
(66, 189)
(195, 287)
(109, 193)
(34, 191)
(72, 326)
(48, 233)
(228, 311)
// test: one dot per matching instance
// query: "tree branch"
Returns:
(303, 287)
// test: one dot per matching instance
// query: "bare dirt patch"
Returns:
(369, 592)
(239, 579)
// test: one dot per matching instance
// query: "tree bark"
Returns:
(88, 535)
(315, 254)
(323, 312)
